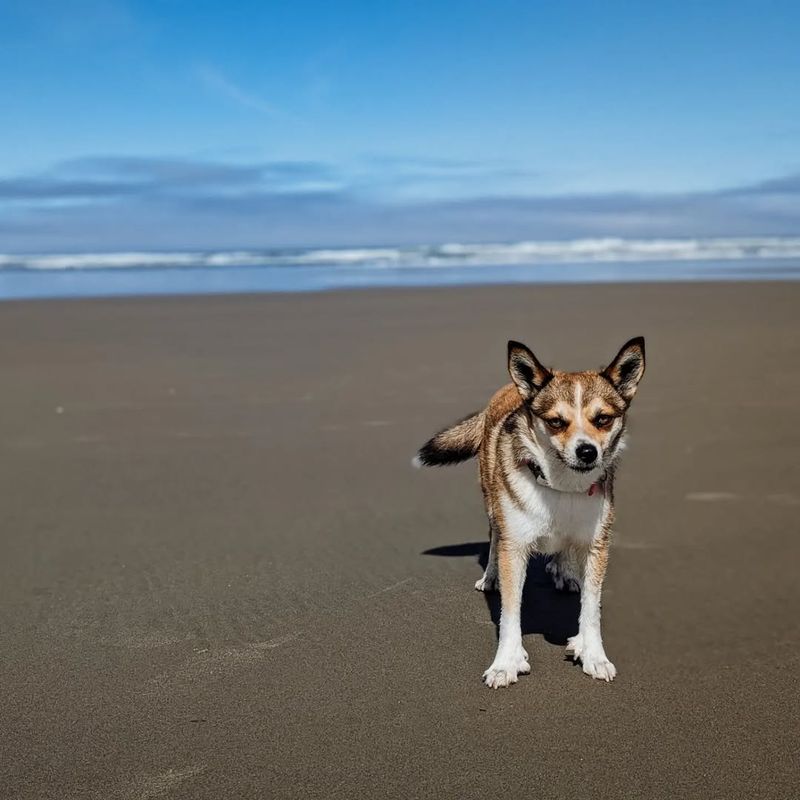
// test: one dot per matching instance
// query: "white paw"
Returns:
(504, 671)
(486, 584)
(563, 579)
(594, 661)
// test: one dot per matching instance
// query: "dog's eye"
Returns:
(602, 420)
(556, 423)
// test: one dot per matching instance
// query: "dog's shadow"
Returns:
(545, 610)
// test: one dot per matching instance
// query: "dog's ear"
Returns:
(528, 374)
(626, 370)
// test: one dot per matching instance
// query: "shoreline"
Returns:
(380, 291)
(211, 281)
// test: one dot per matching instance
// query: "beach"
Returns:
(221, 577)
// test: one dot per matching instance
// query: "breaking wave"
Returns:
(425, 256)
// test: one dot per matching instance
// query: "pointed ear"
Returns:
(527, 373)
(626, 370)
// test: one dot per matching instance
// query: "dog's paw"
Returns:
(599, 667)
(563, 578)
(565, 584)
(485, 584)
(504, 671)
(593, 660)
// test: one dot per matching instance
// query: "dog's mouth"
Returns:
(582, 467)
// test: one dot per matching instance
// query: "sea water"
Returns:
(319, 269)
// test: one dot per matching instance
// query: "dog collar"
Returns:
(595, 488)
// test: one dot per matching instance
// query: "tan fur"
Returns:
(561, 431)
(491, 461)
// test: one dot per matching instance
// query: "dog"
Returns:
(547, 446)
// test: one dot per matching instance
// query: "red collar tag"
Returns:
(597, 486)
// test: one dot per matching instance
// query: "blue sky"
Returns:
(197, 124)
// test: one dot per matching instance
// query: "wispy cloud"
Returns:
(216, 81)
(123, 202)
(786, 185)
(111, 177)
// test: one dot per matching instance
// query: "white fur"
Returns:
(550, 521)
(488, 582)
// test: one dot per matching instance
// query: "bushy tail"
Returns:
(457, 443)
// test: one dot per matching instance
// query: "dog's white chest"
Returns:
(547, 520)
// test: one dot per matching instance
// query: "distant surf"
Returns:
(601, 250)
(314, 269)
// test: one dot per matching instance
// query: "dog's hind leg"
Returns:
(565, 569)
(488, 583)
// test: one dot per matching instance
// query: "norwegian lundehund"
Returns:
(547, 446)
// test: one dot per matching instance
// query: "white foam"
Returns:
(455, 254)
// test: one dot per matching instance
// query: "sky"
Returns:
(180, 124)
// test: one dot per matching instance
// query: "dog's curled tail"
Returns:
(453, 445)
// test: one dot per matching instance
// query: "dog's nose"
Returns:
(586, 453)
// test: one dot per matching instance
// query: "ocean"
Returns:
(600, 260)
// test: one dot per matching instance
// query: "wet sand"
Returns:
(221, 579)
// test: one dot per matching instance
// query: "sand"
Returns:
(221, 579)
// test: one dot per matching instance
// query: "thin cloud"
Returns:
(122, 202)
(110, 177)
(417, 178)
(446, 168)
(32, 189)
(214, 80)
(789, 184)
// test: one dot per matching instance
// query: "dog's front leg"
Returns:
(587, 645)
(511, 659)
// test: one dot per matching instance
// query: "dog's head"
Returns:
(577, 418)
